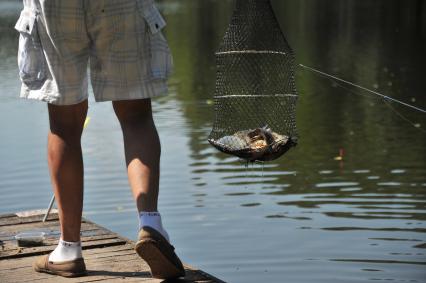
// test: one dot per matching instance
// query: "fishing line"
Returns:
(383, 97)
(364, 88)
(387, 104)
(415, 125)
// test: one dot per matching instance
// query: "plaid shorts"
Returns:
(121, 40)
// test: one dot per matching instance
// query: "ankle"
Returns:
(70, 239)
(69, 234)
(153, 220)
(66, 251)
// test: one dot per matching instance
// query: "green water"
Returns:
(303, 218)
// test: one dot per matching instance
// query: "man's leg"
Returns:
(142, 151)
(66, 173)
(66, 165)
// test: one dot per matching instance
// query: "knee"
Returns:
(70, 135)
(133, 112)
(67, 121)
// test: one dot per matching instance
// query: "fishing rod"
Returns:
(363, 88)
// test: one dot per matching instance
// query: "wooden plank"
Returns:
(51, 243)
(7, 221)
(125, 266)
(23, 252)
(99, 237)
(7, 215)
(48, 225)
(109, 257)
(54, 234)
(90, 254)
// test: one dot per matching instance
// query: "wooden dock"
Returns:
(109, 257)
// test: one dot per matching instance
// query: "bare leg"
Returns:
(66, 165)
(142, 150)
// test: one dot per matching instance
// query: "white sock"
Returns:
(153, 220)
(66, 251)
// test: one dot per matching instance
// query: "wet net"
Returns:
(255, 96)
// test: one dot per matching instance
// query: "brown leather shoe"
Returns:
(159, 254)
(72, 268)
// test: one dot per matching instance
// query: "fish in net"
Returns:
(255, 95)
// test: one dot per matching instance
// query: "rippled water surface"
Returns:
(303, 218)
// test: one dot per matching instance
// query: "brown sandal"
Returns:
(159, 254)
(72, 268)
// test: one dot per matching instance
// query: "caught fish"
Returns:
(260, 144)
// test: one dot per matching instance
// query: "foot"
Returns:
(159, 254)
(71, 268)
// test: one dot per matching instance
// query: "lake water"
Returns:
(303, 218)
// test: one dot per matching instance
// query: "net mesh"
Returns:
(255, 96)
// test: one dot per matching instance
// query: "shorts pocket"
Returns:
(31, 59)
(161, 60)
(152, 16)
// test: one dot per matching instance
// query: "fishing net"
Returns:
(255, 96)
